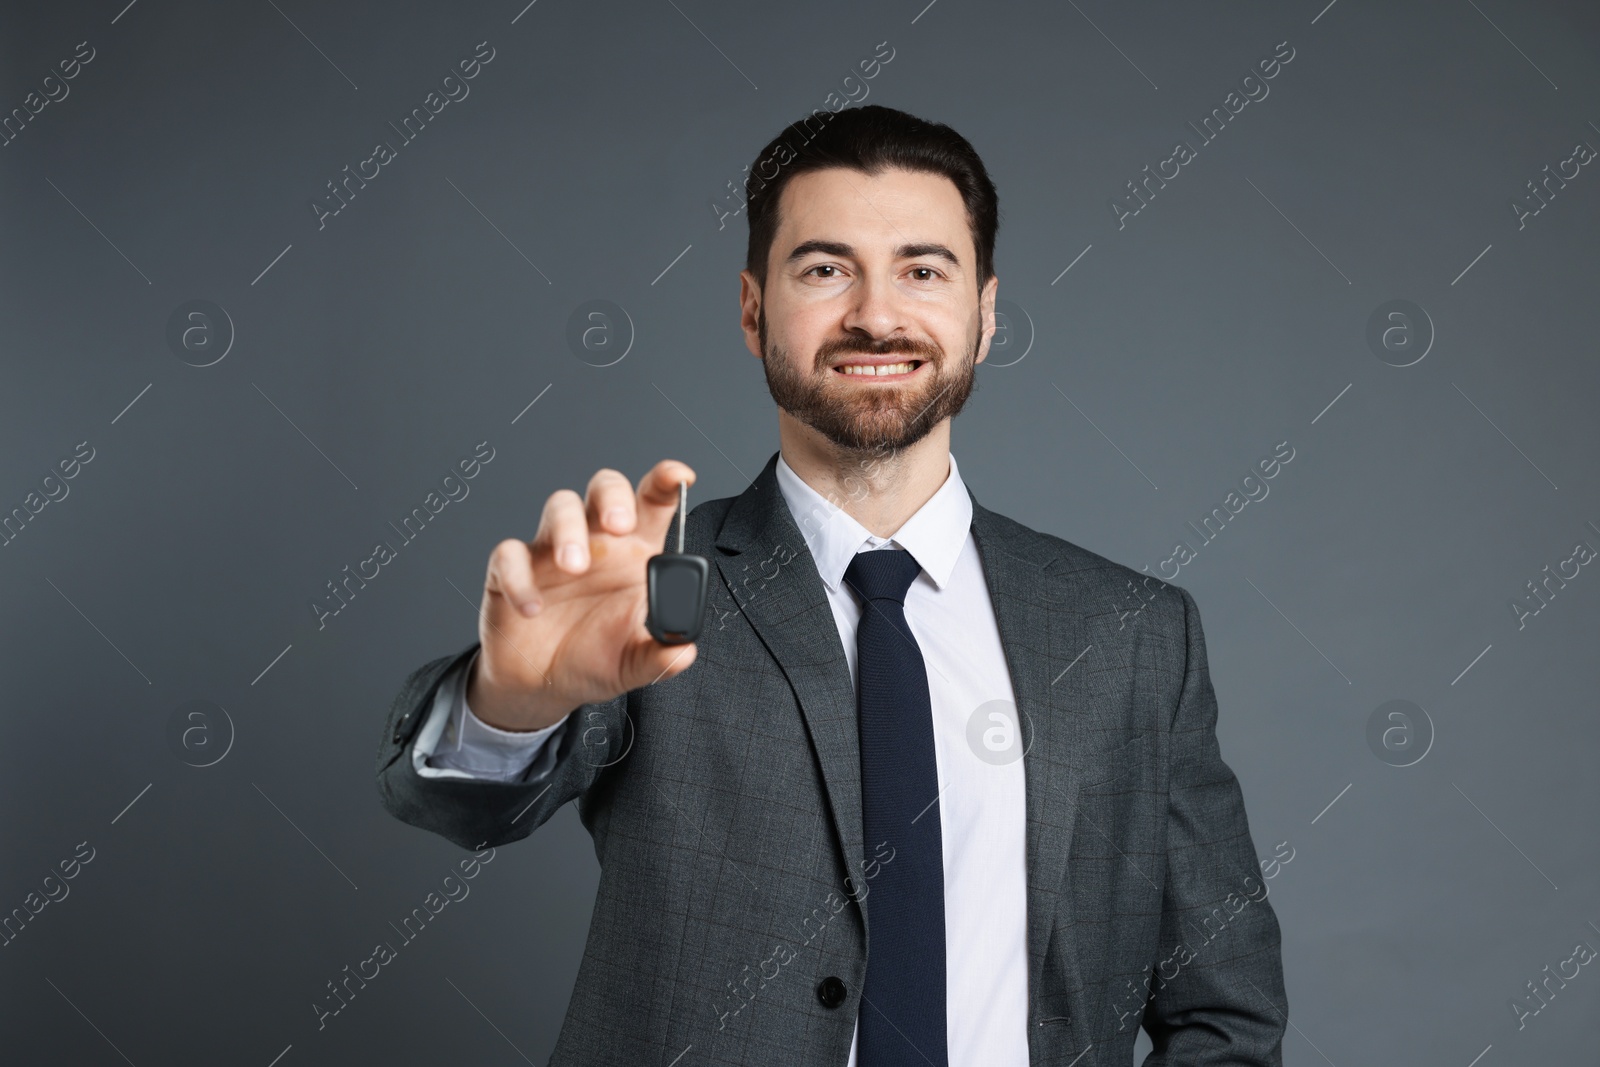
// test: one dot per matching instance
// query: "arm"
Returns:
(454, 743)
(479, 812)
(1225, 1007)
(561, 629)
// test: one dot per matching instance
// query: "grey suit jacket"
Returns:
(725, 808)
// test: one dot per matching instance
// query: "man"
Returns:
(930, 787)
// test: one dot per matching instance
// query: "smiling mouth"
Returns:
(891, 371)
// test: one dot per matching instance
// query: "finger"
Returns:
(511, 576)
(564, 532)
(657, 662)
(610, 502)
(658, 499)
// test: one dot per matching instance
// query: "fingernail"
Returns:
(616, 518)
(530, 607)
(571, 557)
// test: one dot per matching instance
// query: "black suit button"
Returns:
(400, 728)
(831, 992)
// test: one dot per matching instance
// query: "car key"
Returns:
(677, 584)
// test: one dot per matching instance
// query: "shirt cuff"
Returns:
(455, 743)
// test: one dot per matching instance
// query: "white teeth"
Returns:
(868, 370)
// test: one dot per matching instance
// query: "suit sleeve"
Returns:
(454, 743)
(483, 812)
(1218, 999)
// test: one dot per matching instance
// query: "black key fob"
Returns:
(677, 583)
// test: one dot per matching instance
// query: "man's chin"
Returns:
(863, 417)
(871, 432)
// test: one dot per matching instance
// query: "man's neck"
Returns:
(879, 488)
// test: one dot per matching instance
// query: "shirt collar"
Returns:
(934, 535)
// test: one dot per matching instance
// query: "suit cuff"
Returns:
(455, 743)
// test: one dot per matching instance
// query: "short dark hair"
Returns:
(868, 139)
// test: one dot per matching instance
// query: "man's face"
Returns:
(875, 274)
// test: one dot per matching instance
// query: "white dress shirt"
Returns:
(982, 809)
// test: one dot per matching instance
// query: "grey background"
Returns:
(1174, 354)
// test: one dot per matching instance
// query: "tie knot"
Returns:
(882, 574)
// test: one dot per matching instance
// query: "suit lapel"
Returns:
(1054, 676)
(790, 613)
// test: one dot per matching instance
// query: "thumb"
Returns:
(658, 662)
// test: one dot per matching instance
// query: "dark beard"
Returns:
(887, 421)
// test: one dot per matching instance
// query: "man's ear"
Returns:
(749, 311)
(986, 299)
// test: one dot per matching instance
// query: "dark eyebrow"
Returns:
(905, 251)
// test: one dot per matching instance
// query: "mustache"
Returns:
(866, 346)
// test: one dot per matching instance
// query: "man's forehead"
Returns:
(841, 211)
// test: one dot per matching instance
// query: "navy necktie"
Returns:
(902, 1018)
